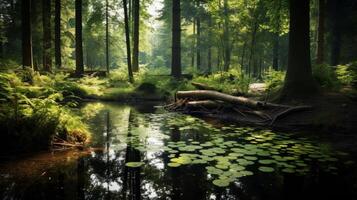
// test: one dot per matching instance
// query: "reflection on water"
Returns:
(208, 162)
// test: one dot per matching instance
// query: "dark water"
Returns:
(181, 157)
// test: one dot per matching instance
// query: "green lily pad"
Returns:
(134, 164)
(250, 158)
(266, 162)
(266, 169)
(221, 183)
(288, 170)
(171, 164)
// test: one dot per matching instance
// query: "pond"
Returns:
(143, 152)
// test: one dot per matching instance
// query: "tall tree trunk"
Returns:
(243, 55)
(336, 18)
(136, 36)
(209, 56)
(46, 19)
(276, 52)
(227, 46)
(27, 57)
(198, 49)
(58, 59)
(321, 33)
(252, 46)
(193, 45)
(127, 39)
(298, 80)
(79, 41)
(107, 35)
(176, 39)
(276, 38)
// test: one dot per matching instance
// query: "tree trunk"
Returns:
(27, 57)
(176, 39)
(276, 38)
(127, 38)
(209, 56)
(79, 41)
(298, 80)
(107, 35)
(252, 46)
(227, 46)
(243, 55)
(276, 52)
(321, 33)
(136, 36)
(46, 19)
(198, 49)
(336, 32)
(193, 45)
(58, 59)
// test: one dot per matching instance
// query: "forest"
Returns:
(178, 99)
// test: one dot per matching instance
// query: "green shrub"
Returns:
(347, 74)
(231, 82)
(273, 79)
(325, 76)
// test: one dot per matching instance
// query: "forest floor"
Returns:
(331, 111)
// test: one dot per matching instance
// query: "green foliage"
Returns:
(347, 74)
(31, 113)
(273, 79)
(325, 76)
(231, 82)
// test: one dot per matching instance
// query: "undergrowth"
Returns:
(33, 110)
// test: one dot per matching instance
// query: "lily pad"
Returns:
(266, 169)
(221, 183)
(174, 164)
(266, 162)
(134, 164)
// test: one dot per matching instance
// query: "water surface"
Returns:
(140, 152)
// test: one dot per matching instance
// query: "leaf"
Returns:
(134, 164)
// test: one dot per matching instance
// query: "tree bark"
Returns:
(58, 59)
(227, 46)
(107, 35)
(193, 45)
(79, 41)
(336, 32)
(252, 46)
(321, 33)
(209, 51)
(276, 52)
(136, 35)
(243, 55)
(176, 40)
(27, 56)
(127, 38)
(46, 19)
(198, 49)
(298, 80)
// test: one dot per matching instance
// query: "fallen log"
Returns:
(202, 86)
(209, 104)
(214, 95)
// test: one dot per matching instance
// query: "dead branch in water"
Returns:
(213, 103)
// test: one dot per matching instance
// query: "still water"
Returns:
(143, 152)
